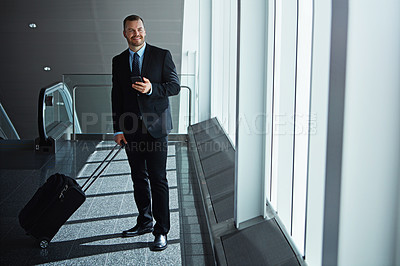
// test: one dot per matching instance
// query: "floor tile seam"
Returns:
(115, 222)
(73, 243)
(20, 184)
(8, 232)
(183, 225)
(179, 203)
(86, 216)
(121, 204)
(126, 188)
(81, 225)
(145, 256)
(191, 182)
(181, 233)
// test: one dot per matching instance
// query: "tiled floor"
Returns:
(195, 240)
(92, 236)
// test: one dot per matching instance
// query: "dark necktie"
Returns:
(136, 72)
(135, 65)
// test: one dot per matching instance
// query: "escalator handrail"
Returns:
(66, 96)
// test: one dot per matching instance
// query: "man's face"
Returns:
(135, 34)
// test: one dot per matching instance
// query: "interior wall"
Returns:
(370, 176)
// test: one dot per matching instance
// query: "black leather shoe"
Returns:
(138, 230)
(160, 243)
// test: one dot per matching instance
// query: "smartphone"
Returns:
(136, 79)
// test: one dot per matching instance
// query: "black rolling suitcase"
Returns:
(54, 202)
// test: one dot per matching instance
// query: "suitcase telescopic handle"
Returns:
(101, 167)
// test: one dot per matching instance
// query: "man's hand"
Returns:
(143, 87)
(120, 137)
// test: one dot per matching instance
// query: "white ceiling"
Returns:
(72, 37)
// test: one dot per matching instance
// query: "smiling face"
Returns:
(134, 34)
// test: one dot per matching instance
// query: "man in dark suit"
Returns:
(142, 120)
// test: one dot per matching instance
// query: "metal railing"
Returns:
(105, 86)
(189, 103)
(91, 95)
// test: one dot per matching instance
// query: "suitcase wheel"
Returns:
(44, 243)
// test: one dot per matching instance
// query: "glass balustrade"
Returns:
(91, 101)
(7, 130)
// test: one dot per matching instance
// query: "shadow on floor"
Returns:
(66, 250)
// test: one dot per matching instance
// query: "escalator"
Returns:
(16, 153)
(54, 125)
(55, 118)
(7, 129)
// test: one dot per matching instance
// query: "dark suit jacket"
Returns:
(159, 68)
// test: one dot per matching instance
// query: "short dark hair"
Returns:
(132, 18)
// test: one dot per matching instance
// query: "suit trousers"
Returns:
(147, 158)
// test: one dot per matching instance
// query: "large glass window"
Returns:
(223, 65)
(291, 119)
(303, 121)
